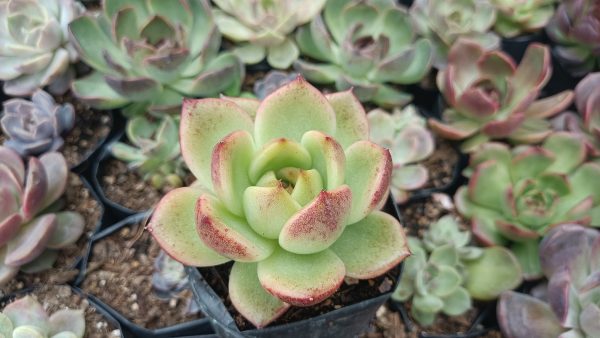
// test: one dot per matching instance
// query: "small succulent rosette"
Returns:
(570, 258)
(405, 134)
(148, 55)
(517, 17)
(515, 196)
(271, 82)
(489, 97)
(575, 28)
(264, 28)
(27, 318)
(35, 51)
(370, 46)
(35, 127)
(289, 190)
(31, 231)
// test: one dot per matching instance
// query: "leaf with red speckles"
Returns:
(173, 226)
(327, 157)
(229, 235)
(301, 280)
(368, 174)
(351, 118)
(250, 298)
(372, 246)
(267, 209)
(319, 224)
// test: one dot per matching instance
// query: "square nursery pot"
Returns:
(348, 321)
(198, 327)
(112, 321)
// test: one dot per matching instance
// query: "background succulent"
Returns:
(444, 22)
(34, 45)
(147, 55)
(272, 81)
(514, 197)
(575, 27)
(169, 276)
(489, 97)
(30, 231)
(153, 150)
(405, 134)
(516, 17)
(444, 272)
(367, 45)
(585, 123)
(263, 27)
(26, 317)
(35, 127)
(290, 196)
(570, 256)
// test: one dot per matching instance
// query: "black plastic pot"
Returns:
(198, 328)
(348, 321)
(561, 78)
(515, 47)
(109, 318)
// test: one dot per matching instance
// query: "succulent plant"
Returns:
(443, 23)
(405, 134)
(30, 231)
(575, 27)
(516, 17)
(366, 45)
(35, 127)
(271, 82)
(34, 45)
(26, 318)
(263, 27)
(444, 272)
(488, 97)
(586, 124)
(154, 151)
(570, 256)
(148, 55)
(290, 196)
(514, 197)
(169, 275)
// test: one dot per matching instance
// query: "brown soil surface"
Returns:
(54, 298)
(441, 164)
(120, 272)
(417, 216)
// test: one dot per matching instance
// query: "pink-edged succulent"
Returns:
(570, 256)
(291, 187)
(405, 134)
(516, 196)
(30, 231)
(489, 97)
(586, 124)
(27, 318)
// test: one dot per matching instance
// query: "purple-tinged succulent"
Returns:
(271, 82)
(516, 196)
(30, 231)
(570, 258)
(290, 196)
(586, 124)
(575, 27)
(405, 134)
(169, 276)
(35, 127)
(489, 97)
(27, 318)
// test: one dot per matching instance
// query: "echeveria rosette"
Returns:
(26, 317)
(149, 54)
(366, 45)
(444, 272)
(586, 122)
(405, 134)
(34, 45)
(444, 22)
(31, 231)
(575, 27)
(264, 27)
(570, 256)
(291, 196)
(514, 197)
(489, 97)
(35, 127)
(516, 17)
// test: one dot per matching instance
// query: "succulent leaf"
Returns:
(519, 17)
